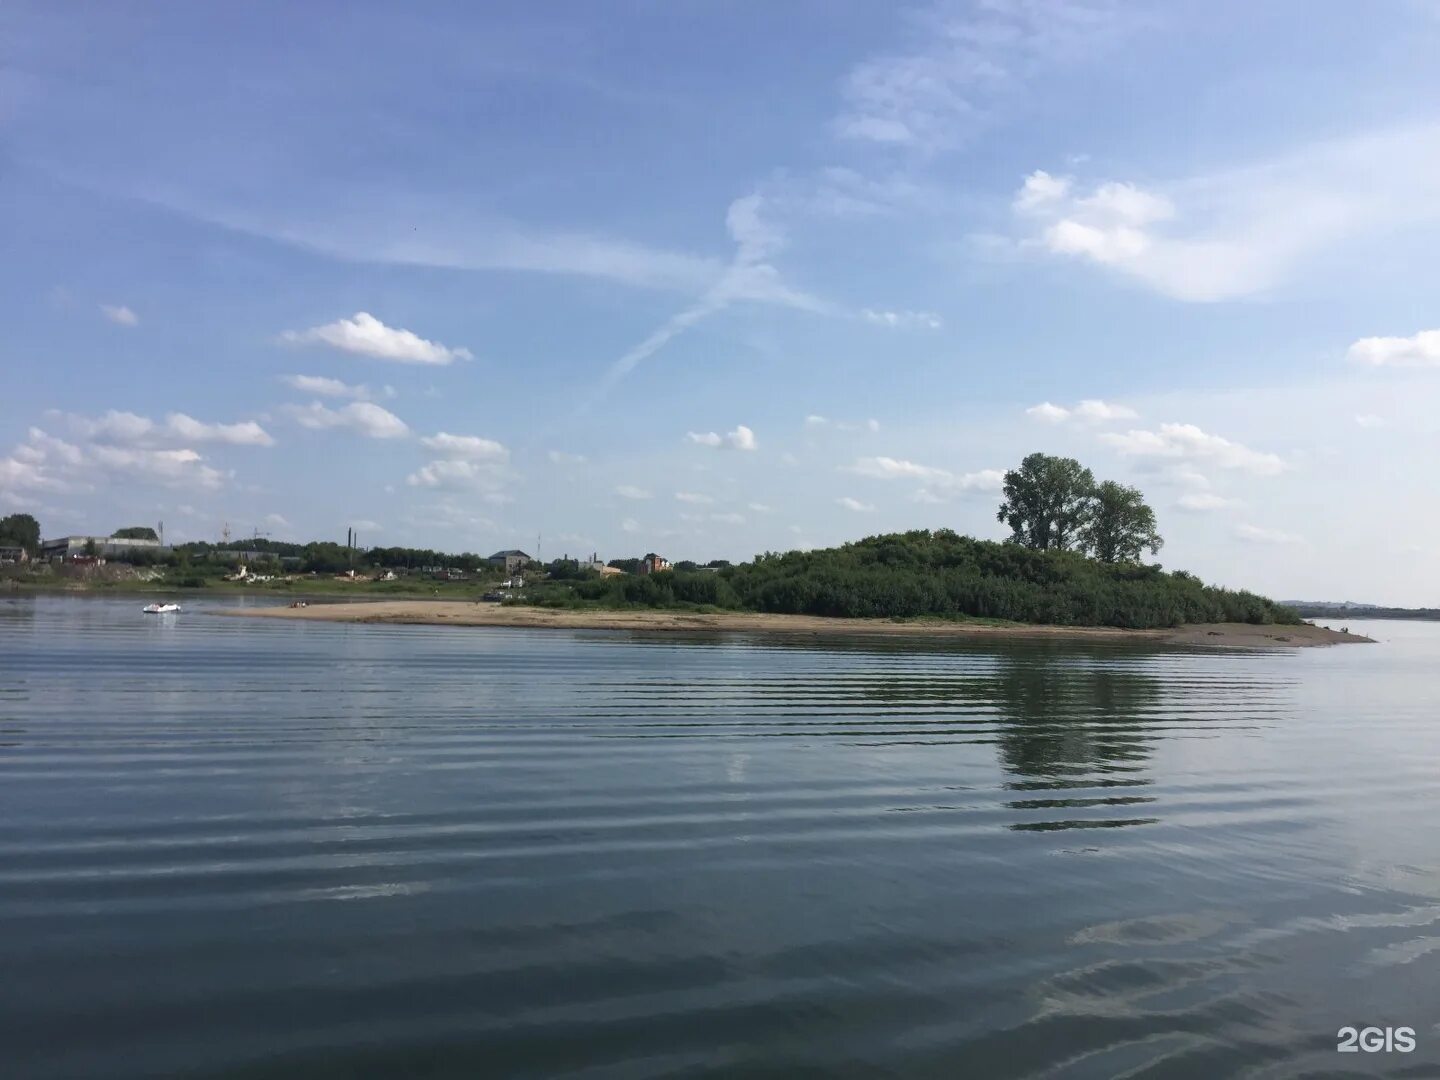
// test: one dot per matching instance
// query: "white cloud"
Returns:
(368, 336)
(630, 525)
(1369, 420)
(1041, 191)
(692, 497)
(728, 518)
(277, 521)
(903, 320)
(1255, 534)
(1186, 441)
(759, 508)
(815, 422)
(45, 462)
(855, 504)
(1203, 501)
(560, 457)
(1102, 411)
(466, 447)
(1090, 410)
(1050, 414)
(629, 491)
(459, 474)
(362, 417)
(245, 433)
(1243, 231)
(1418, 350)
(742, 438)
(887, 468)
(116, 426)
(327, 387)
(120, 315)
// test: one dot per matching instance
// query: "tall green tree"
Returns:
(1048, 502)
(135, 532)
(20, 530)
(1121, 525)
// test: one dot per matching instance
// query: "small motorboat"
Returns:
(161, 609)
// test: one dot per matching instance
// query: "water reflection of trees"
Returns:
(1073, 728)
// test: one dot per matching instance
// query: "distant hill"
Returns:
(1343, 609)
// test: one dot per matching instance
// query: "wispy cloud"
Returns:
(742, 438)
(850, 503)
(47, 463)
(467, 447)
(692, 497)
(903, 320)
(1189, 443)
(362, 417)
(1203, 501)
(962, 63)
(888, 468)
(461, 474)
(816, 422)
(118, 426)
(366, 335)
(1090, 410)
(323, 386)
(630, 491)
(750, 276)
(120, 315)
(1256, 534)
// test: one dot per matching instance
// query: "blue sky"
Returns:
(713, 279)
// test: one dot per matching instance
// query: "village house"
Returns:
(512, 561)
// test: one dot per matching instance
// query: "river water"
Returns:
(254, 848)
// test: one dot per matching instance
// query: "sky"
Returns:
(712, 279)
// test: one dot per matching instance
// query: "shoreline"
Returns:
(464, 613)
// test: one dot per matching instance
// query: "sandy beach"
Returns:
(457, 613)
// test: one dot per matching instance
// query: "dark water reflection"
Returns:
(254, 849)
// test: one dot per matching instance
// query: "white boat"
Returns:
(161, 609)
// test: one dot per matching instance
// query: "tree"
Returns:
(1121, 526)
(135, 532)
(1048, 501)
(20, 530)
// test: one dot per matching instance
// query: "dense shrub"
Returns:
(941, 574)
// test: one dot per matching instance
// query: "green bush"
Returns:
(941, 574)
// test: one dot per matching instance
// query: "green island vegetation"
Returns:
(1073, 558)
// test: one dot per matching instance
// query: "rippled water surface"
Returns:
(253, 848)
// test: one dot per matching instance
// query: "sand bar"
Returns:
(460, 613)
